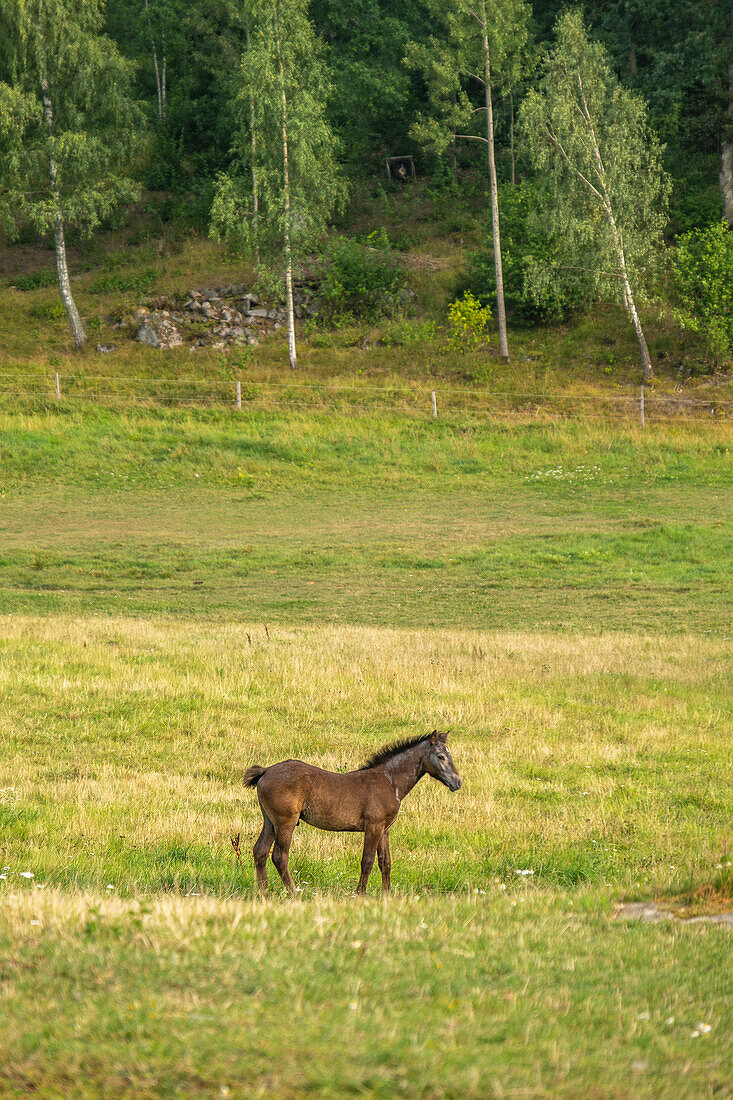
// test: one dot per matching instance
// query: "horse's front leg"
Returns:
(385, 861)
(372, 836)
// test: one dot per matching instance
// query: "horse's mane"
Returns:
(387, 752)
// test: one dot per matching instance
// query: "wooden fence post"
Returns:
(434, 403)
(641, 406)
(57, 381)
(239, 394)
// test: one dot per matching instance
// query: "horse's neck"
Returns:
(405, 770)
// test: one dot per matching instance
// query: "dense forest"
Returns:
(608, 129)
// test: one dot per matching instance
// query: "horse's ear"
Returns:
(443, 736)
(434, 737)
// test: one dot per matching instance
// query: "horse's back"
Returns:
(328, 800)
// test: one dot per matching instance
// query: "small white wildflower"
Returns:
(669, 1021)
(644, 1016)
(109, 886)
(694, 1034)
(27, 874)
(524, 871)
(224, 1091)
(704, 1029)
(353, 1005)
(3, 876)
(356, 944)
(35, 922)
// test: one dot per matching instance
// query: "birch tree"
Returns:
(590, 140)
(285, 182)
(67, 126)
(476, 41)
(726, 160)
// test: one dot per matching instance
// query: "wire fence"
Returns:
(454, 402)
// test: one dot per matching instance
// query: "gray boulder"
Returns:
(160, 332)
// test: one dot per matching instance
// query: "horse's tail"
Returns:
(253, 775)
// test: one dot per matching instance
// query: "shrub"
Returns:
(363, 279)
(468, 321)
(141, 281)
(268, 285)
(702, 277)
(531, 295)
(48, 311)
(36, 280)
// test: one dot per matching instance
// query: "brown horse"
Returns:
(363, 801)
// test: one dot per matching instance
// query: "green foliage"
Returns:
(702, 264)
(604, 191)
(452, 64)
(374, 96)
(47, 311)
(36, 280)
(468, 322)
(95, 123)
(363, 280)
(526, 245)
(139, 281)
(282, 84)
(267, 285)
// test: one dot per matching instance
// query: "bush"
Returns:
(702, 276)
(38, 279)
(468, 321)
(525, 251)
(362, 280)
(141, 281)
(47, 311)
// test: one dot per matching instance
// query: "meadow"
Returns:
(185, 592)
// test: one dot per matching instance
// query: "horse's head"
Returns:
(439, 762)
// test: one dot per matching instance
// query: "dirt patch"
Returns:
(655, 912)
(424, 263)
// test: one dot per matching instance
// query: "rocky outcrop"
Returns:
(214, 317)
(160, 332)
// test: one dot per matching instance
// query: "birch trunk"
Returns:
(287, 243)
(726, 164)
(601, 193)
(160, 87)
(629, 303)
(77, 328)
(500, 308)
(255, 190)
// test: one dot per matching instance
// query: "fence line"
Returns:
(236, 392)
(366, 386)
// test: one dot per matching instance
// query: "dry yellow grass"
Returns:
(601, 758)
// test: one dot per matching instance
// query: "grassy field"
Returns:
(185, 592)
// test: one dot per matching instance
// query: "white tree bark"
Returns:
(498, 267)
(77, 328)
(287, 226)
(159, 83)
(726, 164)
(255, 180)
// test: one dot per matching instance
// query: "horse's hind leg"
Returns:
(281, 851)
(261, 851)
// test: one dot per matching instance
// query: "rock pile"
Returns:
(215, 317)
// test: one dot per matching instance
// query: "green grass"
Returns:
(459, 998)
(372, 519)
(186, 591)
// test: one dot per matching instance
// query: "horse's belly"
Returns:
(329, 818)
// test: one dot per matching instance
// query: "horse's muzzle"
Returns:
(456, 784)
